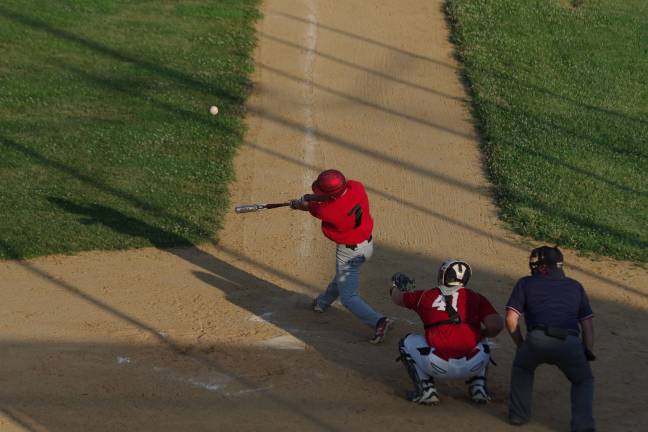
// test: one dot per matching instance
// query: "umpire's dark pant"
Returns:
(569, 356)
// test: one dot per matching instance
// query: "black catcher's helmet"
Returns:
(454, 272)
(545, 256)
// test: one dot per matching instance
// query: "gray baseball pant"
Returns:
(569, 356)
(347, 280)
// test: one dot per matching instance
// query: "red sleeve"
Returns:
(411, 299)
(314, 208)
(485, 307)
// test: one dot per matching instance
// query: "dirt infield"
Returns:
(220, 337)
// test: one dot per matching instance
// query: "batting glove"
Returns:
(297, 204)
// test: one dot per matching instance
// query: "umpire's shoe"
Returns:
(516, 421)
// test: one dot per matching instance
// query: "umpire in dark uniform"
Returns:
(554, 307)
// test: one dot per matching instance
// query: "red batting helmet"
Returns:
(330, 182)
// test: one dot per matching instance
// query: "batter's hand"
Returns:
(299, 204)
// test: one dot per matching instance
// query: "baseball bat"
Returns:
(248, 208)
(256, 207)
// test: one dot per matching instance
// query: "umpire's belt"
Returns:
(355, 246)
(556, 332)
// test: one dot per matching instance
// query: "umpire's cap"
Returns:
(547, 256)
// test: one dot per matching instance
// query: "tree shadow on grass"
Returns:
(98, 47)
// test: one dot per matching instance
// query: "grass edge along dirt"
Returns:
(106, 141)
(559, 95)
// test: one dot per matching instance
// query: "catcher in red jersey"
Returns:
(457, 320)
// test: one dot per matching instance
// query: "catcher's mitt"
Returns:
(402, 282)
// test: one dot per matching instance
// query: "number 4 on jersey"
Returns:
(439, 302)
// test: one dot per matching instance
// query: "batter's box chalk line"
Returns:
(217, 382)
(261, 318)
(286, 342)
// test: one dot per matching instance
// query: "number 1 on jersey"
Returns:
(357, 210)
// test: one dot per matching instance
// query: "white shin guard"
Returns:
(425, 365)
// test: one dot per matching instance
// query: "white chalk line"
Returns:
(216, 384)
(261, 318)
(310, 141)
(212, 385)
(285, 342)
(123, 360)
(248, 391)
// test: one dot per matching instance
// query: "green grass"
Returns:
(560, 94)
(105, 137)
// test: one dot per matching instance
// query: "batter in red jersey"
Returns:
(347, 222)
(456, 320)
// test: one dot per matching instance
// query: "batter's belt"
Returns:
(355, 246)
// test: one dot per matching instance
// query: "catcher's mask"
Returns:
(454, 272)
(330, 182)
(549, 257)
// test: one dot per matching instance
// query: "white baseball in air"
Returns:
(213, 110)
